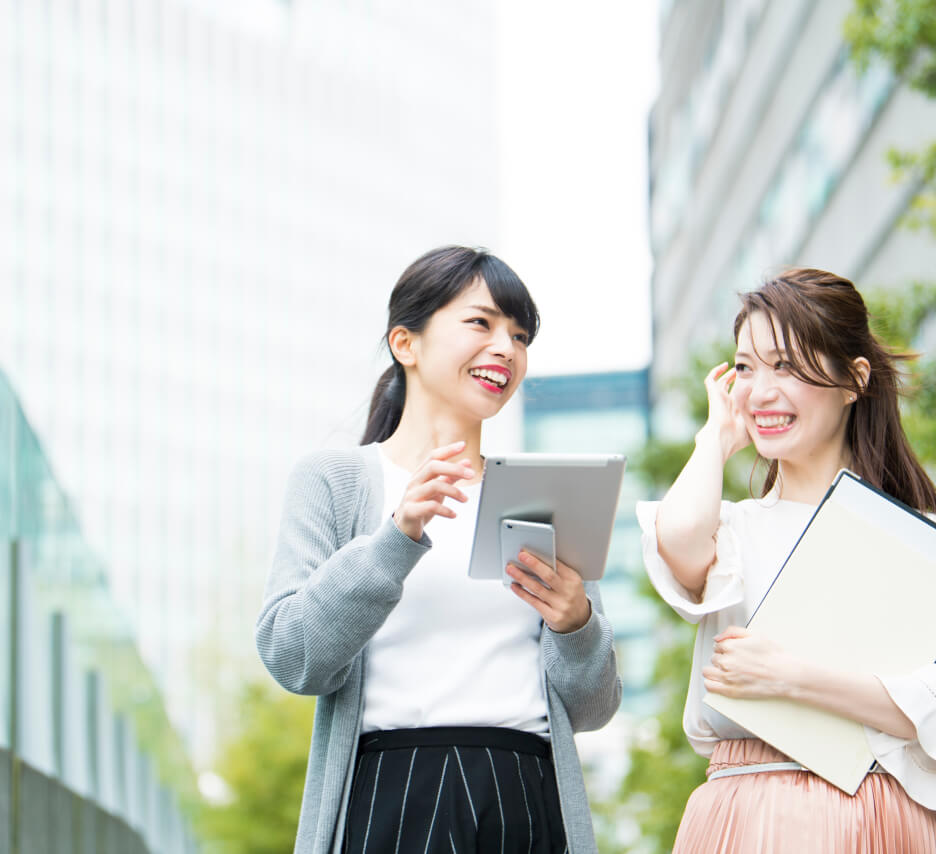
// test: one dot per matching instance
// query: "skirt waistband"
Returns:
(766, 767)
(460, 736)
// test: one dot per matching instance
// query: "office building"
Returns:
(605, 413)
(201, 222)
(86, 751)
(767, 148)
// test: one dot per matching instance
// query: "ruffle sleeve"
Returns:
(724, 585)
(912, 762)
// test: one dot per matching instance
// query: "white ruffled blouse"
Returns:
(754, 538)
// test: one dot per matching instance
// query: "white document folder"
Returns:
(856, 593)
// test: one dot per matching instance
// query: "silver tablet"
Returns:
(576, 493)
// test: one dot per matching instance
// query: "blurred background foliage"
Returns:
(902, 34)
(907, 321)
(262, 767)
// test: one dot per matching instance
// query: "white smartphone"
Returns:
(516, 535)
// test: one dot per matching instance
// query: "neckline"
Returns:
(387, 462)
(772, 499)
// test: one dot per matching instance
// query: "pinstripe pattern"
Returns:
(526, 803)
(370, 814)
(461, 768)
(500, 803)
(435, 809)
(409, 777)
(446, 799)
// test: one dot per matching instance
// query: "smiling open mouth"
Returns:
(773, 422)
(490, 378)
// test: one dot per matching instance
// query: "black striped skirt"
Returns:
(453, 790)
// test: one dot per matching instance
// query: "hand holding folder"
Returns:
(862, 580)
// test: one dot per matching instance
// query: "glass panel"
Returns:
(830, 134)
(583, 424)
(60, 574)
(694, 122)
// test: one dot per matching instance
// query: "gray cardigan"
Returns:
(338, 571)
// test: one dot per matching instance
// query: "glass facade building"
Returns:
(605, 413)
(768, 148)
(201, 223)
(88, 759)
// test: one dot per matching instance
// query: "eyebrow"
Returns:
(486, 309)
(771, 352)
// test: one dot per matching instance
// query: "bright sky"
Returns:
(577, 84)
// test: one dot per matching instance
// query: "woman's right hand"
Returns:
(432, 483)
(725, 422)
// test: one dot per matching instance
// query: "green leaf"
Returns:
(264, 767)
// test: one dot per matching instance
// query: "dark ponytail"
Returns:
(386, 405)
(428, 284)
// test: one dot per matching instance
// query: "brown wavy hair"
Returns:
(821, 314)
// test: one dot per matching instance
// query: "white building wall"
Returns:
(201, 225)
(756, 197)
(858, 234)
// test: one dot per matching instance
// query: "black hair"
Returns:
(428, 284)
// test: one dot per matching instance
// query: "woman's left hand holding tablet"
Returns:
(431, 484)
(558, 594)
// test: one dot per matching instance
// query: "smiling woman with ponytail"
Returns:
(427, 285)
(446, 705)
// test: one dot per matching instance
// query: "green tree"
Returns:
(906, 320)
(263, 766)
(663, 768)
(902, 33)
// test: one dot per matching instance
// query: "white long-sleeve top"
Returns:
(753, 540)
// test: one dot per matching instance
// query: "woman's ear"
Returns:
(401, 342)
(863, 369)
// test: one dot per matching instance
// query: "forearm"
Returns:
(582, 667)
(316, 619)
(858, 696)
(689, 513)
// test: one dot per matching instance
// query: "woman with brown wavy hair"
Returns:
(814, 391)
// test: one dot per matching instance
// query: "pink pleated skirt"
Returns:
(796, 811)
